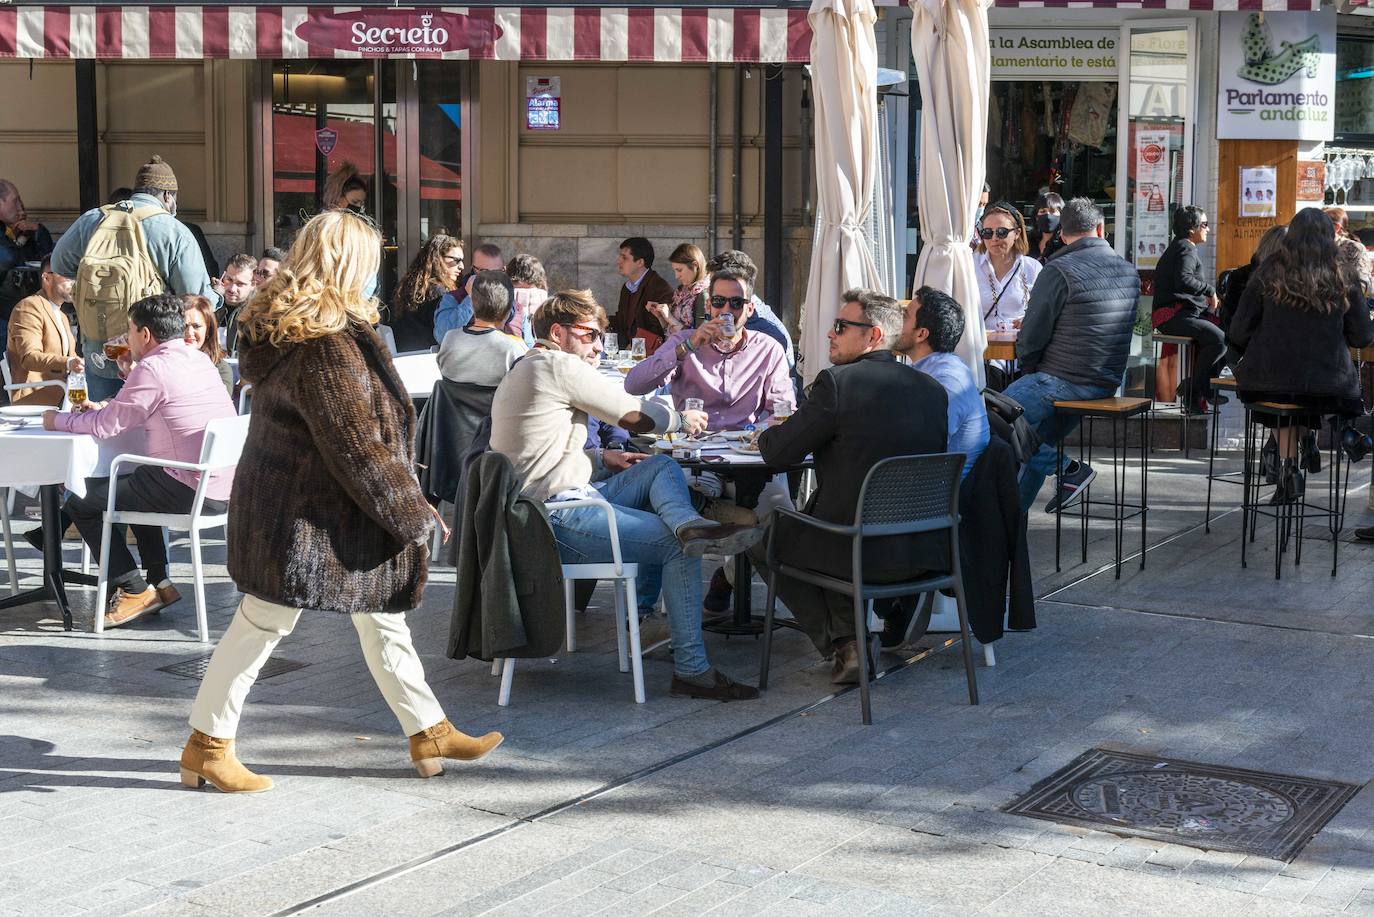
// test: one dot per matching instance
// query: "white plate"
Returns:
(744, 448)
(662, 445)
(731, 436)
(25, 410)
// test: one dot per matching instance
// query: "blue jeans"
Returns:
(1037, 393)
(651, 503)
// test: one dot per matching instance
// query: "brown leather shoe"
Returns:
(429, 747)
(722, 688)
(718, 539)
(168, 595)
(127, 606)
(206, 758)
(846, 664)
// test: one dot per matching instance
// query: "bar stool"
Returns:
(1118, 411)
(1220, 383)
(1290, 517)
(1185, 353)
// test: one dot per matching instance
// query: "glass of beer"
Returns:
(116, 348)
(76, 389)
(611, 346)
(637, 350)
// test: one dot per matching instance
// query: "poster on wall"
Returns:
(543, 102)
(1152, 193)
(1312, 182)
(1029, 53)
(1258, 186)
(1277, 76)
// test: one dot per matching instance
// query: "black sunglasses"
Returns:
(842, 323)
(1000, 232)
(735, 303)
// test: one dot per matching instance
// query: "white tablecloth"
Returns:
(31, 456)
(418, 373)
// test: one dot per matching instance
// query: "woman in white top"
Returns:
(1005, 271)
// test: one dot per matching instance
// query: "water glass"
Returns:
(694, 404)
(610, 345)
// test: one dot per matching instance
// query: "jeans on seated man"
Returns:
(848, 425)
(739, 376)
(1073, 344)
(539, 421)
(171, 393)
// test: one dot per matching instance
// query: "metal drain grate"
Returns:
(195, 667)
(1182, 802)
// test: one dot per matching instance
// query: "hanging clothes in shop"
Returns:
(1091, 115)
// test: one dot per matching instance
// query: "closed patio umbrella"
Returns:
(949, 44)
(844, 65)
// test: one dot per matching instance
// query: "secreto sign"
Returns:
(1277, 76)
(378, 32)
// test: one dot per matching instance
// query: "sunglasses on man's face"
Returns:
(734, 303)
(1000, 232)
(584, 334)
(842, 323)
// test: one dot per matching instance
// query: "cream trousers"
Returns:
(258, 627)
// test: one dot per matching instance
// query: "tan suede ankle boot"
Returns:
(208, 758)
(429, 747)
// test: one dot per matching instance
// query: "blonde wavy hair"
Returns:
(318, 290)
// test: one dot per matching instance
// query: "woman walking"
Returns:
(326, 513)
(1296, 320)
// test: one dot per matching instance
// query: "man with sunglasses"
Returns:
(865, 408)
(539, 421)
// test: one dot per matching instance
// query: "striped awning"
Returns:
(689, 34)
(585, 33)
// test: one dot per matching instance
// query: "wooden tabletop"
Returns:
(1001, 346)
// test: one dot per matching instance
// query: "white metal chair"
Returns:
(221, 448)
(7, 495)
(6, 505)
(388, 338)
(622, 577)
(245, 399)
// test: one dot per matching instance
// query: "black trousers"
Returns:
(1209, 346)
(146, 490)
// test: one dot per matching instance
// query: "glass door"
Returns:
(1157, 120)
(333, 143)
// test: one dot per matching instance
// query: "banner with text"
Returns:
(1277, 76)
(1058, 54)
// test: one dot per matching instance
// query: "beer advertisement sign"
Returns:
(1277, 76)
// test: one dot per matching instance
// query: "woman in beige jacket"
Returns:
(41, 345)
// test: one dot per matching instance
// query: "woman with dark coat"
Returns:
(434, 272)
(326, 513)
(1184, 301)
(1241, 276)
(1297, 319)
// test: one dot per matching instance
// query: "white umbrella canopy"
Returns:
(844, 66)
(949, 44)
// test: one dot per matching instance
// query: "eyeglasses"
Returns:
(262, 274)
(734, 303)
(587, 335)
(1203, 225)
(842, 323)
(1000, 232)
(452, 261)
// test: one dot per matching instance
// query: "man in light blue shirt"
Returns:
(931, 330)
(455, 309)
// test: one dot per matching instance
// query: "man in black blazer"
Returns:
(865, 408)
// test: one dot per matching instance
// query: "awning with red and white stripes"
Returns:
(585, 33)
(691, 34)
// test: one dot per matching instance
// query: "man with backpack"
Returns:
(122, 253)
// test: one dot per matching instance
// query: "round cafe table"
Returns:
(33, 457)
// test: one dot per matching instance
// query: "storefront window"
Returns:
(1157, 122)
(1354, 89)
(440, 115)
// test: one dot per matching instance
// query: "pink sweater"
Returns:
(173, 392)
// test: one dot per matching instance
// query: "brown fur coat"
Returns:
(326, 512)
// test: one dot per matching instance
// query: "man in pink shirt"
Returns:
(172, 392)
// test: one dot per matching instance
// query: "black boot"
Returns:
(1310, 453)
(1292, 484)
(1269, 461)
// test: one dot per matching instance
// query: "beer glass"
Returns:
(611, 345)
(637, 351)
(76, 389)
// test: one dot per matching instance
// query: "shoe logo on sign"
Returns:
(326, 138)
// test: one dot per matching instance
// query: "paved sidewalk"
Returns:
(783, 806)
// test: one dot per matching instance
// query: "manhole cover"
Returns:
(195, 667)
(1182, 802)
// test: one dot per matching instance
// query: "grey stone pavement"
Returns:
(783, 806)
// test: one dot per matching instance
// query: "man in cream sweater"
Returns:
(539, 422)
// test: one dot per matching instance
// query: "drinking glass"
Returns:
(694, 404)
(76, 389)
(611, 345)
(637, 351)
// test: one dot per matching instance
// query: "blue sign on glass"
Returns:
(541, 113)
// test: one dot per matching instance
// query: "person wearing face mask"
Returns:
(21, 240)
(978, 214)
(170, 262)
(1046, 239)
(1185, 304)
(1005, 270)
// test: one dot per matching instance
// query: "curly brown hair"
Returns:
(1303, 273)
(426, 272)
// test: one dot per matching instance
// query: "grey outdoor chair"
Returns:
(904, 495)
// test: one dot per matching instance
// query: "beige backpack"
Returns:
(115, 272)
